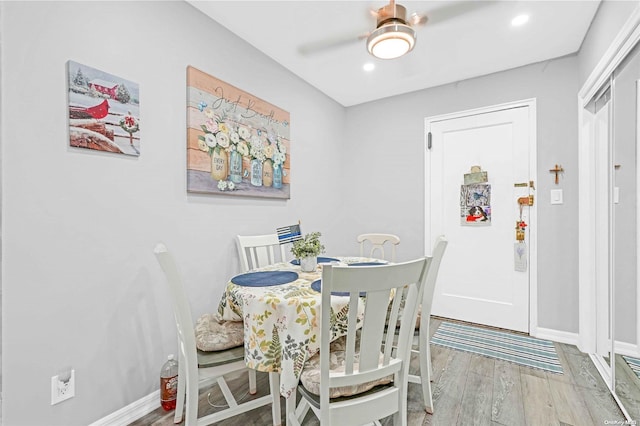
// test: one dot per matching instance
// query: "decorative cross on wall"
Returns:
(557, 169)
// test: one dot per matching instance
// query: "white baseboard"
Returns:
(131, 412)
(622, 348)
(629, 349)
(556, 336)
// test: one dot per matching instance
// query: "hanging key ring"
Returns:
(521, 206)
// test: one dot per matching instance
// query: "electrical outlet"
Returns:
(63, 386)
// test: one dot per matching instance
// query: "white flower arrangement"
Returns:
(222, 139)
(210, 140)
(224, 185)
(257, 148)
(243, 149)
(278, 158)
(254, 143)
(281, 147)
(216, 133)
(279, 155)
(244, 133)
(268, 152)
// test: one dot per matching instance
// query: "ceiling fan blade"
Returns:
(454, 9)
(330, 43)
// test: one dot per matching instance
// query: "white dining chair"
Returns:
(196, 367)
(424, 352)
(256, 251)
(360, 378)
(376, 243)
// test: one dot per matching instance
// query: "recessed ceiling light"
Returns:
(519, 20)
(368, 66)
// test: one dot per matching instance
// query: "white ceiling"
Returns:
(461, 40)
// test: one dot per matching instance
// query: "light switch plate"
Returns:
(556, 196)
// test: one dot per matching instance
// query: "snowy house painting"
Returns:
(103, 111)
(105, 87)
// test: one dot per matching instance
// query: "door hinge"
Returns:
(429, 140)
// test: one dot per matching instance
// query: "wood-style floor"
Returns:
(470, 389)
(628, 388)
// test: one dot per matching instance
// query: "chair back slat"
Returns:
(392, 318)
(256, 251)
(261, 256)
(372, 334)
(351, 334)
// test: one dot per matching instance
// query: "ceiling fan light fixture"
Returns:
(391, 41)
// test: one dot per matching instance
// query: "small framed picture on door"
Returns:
(475, 204)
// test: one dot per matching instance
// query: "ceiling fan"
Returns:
(394, 34)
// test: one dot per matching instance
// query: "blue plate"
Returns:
(320, 260)
(265, 278)
(367, 264)
(317, 286)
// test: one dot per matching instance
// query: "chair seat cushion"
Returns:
(310, 377)
(216, 334)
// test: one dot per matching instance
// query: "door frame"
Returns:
(593, 259)
(533, 217)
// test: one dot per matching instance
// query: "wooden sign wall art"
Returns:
(237, 144)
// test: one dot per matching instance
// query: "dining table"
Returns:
(279, 305)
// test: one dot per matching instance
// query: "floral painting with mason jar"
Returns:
(237, 144)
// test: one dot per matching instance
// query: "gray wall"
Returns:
(393, 198)
(81, 286)
(610, 17)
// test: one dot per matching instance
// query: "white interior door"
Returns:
(478, 281)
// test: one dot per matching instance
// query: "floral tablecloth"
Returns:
(281, 322)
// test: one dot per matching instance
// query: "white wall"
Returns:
(81, 286)
(392, 198)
